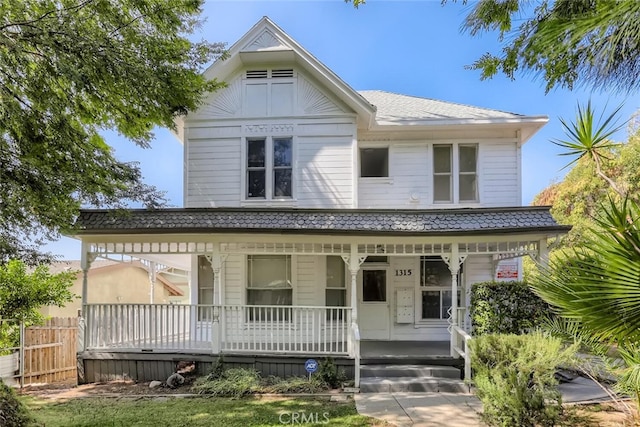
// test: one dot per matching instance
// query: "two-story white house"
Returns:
(317, 221)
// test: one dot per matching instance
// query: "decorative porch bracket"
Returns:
(454, 261)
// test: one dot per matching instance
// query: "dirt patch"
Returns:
(109, 389)
(606, 414)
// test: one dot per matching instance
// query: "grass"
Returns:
(176, 412)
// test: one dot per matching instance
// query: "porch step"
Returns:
(412, 384)
(409, 371)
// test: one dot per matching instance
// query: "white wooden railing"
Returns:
(460, 338)
(218, 329)
(460, 345)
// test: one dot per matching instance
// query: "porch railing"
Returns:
(460, 338)
(218, 329)
(460, 345)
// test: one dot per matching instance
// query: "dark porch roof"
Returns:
(320, 221)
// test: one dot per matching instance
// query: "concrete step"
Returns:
(411, 360)
(412, 384)
(415, 371)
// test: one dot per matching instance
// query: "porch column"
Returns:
(152, 282)
(454, 262)
(85, 264)
(217, 329)
(86, 258)
(354, 262)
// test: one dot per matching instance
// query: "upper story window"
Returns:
(455, 173)
(374, 162)
(269, 168)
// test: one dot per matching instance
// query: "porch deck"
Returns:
(370, 349)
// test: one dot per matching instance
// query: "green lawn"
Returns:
(175, 412)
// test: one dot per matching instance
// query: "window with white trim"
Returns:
(455, 173)
(336, 289)
(205, 288)
(435, 289)
(269, 283)
(374, 162)
(269, 167)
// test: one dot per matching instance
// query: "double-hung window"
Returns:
(336, 290)
(269, 168)
(269, 284)
(455, 173)
(435, 289)
(205, 289)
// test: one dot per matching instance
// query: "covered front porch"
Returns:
(391, 286)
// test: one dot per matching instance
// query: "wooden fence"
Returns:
(50, 351)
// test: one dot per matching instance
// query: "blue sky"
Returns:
(409, 47)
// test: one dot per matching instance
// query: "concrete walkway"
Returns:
(421, 409)
(454, 409)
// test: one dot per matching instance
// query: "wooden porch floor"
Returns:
(370, 349)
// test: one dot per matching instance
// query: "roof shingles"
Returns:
(212, 220)
(393, 106)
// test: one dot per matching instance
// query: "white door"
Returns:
(373, 307)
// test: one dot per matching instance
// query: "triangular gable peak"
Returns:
(265, 41)
(264, 46)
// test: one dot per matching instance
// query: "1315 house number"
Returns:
(407, 272)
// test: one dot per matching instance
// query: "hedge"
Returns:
(505, 308)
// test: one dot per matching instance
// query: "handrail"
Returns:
(464, 352)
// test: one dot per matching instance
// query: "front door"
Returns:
(373, 307)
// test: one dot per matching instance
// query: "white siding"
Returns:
(234, 282)
(325, 177)
(499, 174)
(307, 288)
(409, 172)
(213, 172)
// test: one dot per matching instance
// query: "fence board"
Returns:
(50, 351)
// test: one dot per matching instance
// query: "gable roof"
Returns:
(265, 42)
(322, 221)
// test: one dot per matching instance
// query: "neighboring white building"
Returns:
(317, 217)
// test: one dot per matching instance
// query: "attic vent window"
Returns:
(281, 73)
(256, 74)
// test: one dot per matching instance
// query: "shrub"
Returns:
(514, 378)
(295, 385)
(217, 370)
(12, 411)
(330, 374)
(236, 382)
(506, 308)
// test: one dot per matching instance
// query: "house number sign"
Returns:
(406, 272)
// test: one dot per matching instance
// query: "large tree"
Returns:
(593, 43)
(565, 42)
(602, 169)
(70, 69)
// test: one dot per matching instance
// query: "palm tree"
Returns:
(596, 287)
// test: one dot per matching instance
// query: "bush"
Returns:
(506, 308)
(236, 382)
(330, 374)
(12, 411)
(515, 378)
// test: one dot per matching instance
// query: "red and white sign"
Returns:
(507, 272)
